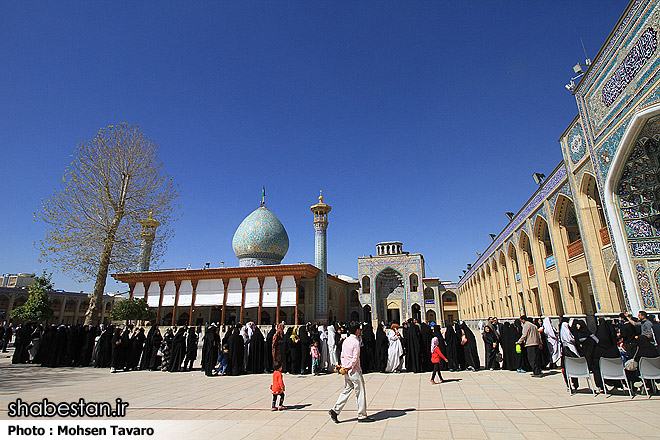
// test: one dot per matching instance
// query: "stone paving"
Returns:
(481, 405)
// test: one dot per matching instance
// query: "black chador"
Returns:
(210, 350)
(368, 351)
(460, 347)
(45, 347)
(117, 358)
(135, 349)
(156, 352)
(471, 354)
(21, 342)
(256, 355)
(236, 353)
(287, 360)
(178, 352)
(426, 337)
(382, 345)
(148, 348)
(413, 354)
(191, 348)
(88, 346)
(306, 356)
(268, 350)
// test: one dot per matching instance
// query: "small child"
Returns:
(436, 355)
(223, 359)
(316, 358)
(277, 388)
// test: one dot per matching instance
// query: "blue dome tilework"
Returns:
(260, 239)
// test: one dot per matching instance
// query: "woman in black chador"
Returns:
(118, 352)
(191, 348)
(135, 349)
(368, 351)
(471, 356)
(178, 352)
(412, 337)
(452, 351)
(210, 350)
(156, 352)
(460, 347)
(21, 342)
(306, 356)
(268, 350)
(236, 353)
(382, 346)
(490, 347)
(296, 353)
(256, 355)
(148, 347)
(426, 336)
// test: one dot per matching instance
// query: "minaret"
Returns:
(148, 234)
(321, 211)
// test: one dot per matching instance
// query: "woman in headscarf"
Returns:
(210, 350)
(256, 361)
(395, 350)
(286, 353)
(368, 348)
(332, 348)
(148, 347)
(452, 350)
(490, 348)
(471, 356)
(117, 360)
(382, 346)
(323, 348)
(268, 349)
(586, 343)
(437, 333)
(278, 339)
(156, 359)
(461, 340)
(236, 353)
(178, 352)
(192, 343)
(305, 344)
(296, 352)
(135, 346)
(552, 341)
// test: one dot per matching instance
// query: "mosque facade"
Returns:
(588, 241)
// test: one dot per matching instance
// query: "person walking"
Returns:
(532, 340)
(436, 355)
(352, 371)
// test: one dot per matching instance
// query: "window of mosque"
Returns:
(428, 293)
(414, 282)
(354, 298)
(301, 294)
(366, 285)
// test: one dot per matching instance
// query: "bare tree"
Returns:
(92, 221)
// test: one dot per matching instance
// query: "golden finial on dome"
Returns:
(320, 196)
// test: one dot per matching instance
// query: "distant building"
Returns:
(17, 280)
(394, 288)
(68, 307)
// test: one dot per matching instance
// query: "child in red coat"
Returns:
(436, 355)
(277, 388)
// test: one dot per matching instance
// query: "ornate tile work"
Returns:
(576, 143)
(644, 285)
(610, 89)
(564, 190)
(609, 258)
(640, 229)
(645, 248)
(260, 239)
(605, 153)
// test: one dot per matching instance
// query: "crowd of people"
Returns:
(526, 344)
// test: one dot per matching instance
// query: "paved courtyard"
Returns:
(486, 404)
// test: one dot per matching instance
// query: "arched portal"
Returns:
(416, 312)
(366, 312)
(390, 293)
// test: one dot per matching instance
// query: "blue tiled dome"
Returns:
(260, 239)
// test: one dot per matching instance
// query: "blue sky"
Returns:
(421, 121)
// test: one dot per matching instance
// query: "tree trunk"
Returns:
(95, 310)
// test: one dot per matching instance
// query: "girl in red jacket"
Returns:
(277, 388)
(436, 355)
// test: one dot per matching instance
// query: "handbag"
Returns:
(631, 364)
(463, 339)
(498, 357)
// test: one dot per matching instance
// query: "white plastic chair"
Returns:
(612, 368)
(577, 367)
(649, 369)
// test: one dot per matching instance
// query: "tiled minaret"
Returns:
(321, 211)
(147, 234)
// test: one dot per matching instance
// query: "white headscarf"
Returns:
(322, 334)
(331, 335)
(567, 338)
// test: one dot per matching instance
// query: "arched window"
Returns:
(416, 312)
(301, 294)
(353, 298)
(543, 235)
(414, 282)
(428, 293)
(366, 285)
(355, 316)
(366, 312)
